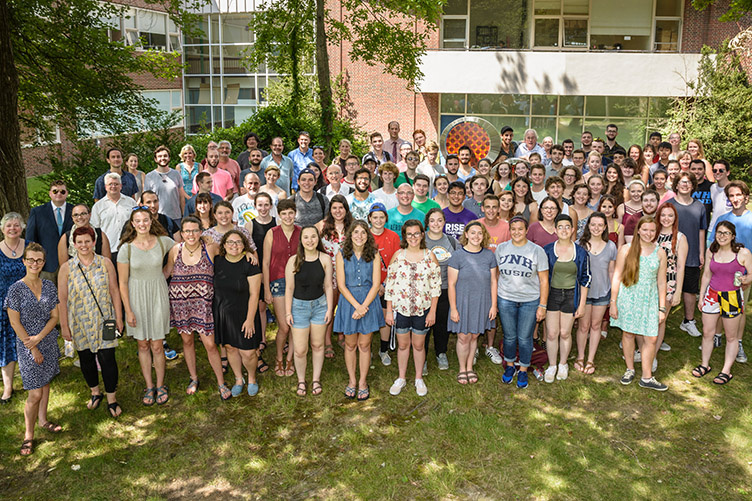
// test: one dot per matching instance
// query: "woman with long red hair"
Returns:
(635, 307)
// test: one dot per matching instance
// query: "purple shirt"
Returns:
(455, 222)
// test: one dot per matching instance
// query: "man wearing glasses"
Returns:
(245, 205)
(112, 212)
(47, 223)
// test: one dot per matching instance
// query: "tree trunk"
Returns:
(13, 194)
(324, 78)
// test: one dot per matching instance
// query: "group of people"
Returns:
(554, 243)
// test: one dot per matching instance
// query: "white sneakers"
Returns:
(552, 373)
(494, 355)
(386, 360)
(563, 372)
(690, 328)
(399, 383)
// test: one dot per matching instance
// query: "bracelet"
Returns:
(662, 309)
(613, 300)
(543, 306)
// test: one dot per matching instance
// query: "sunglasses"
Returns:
(140, 207)
(719, 171)
(62, 192)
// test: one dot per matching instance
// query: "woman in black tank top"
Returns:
(309, 300)
(259, 227)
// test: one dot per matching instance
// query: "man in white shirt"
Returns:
(531, 145)
(335, 186)
(244, 207)
(112, 212)
(360, 200)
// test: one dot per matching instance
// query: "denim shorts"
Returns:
(561, 300)
(305, 313)
(277, 287)
(599, 301)
(417, 324)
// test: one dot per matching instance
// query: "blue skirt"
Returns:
(371, 322)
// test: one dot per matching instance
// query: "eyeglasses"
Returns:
(140, 207)
(412, 159)
(62, 192)
(190, 231)
(234, 242)
(413, 235)
(34, 261)
(723, 233)
(80, 214)
(719, 171)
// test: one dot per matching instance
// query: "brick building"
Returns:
(559, 66)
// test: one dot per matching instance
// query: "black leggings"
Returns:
(440, 333)
(106, 362)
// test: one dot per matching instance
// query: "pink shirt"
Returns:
(499, 233)
(222, 183)
(233, 168)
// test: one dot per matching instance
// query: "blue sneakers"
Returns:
(522, 379)
(169, 353)
(508, 374)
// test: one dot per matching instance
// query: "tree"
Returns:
(735, 11)
(718, 113)
(384, 31)
(59, 65)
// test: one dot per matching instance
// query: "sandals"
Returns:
(462, 378)
(192, 387)
(279, 369)
(113, 409)
(224, 392)
(52, 427)
(301, 391)
(94, 401)
(262, 346)
(262, 366)
(27, 447)
(700, 371)
(286, 348)
(722, 378)
(316, 388)
(289, 369)
(329, 352)
(579, 364)
(364, 394)
(149, 397)
(589, 368)
(472, 377)
(225, 365)
(162, 395)
(349, 392)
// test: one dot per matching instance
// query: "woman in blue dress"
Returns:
(32, 309)
(359, 311)
(11, 270)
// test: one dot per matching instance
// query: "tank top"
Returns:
(282, 250)
(630, 220)
(259, 233)
(191, 281)
(97, 242)
(309, 281)
(614, 235)
(722, 278)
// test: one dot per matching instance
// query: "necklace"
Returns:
(190, 252)
(12, 251)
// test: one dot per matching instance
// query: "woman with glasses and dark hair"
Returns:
(32, 309)
(237, 326)
(89, 295)
(66, 247)
(413, 287)
(729, 269)
(543, 231)
(143, 290)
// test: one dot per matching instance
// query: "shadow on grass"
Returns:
(587, 437)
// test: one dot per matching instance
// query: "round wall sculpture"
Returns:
(477, 133)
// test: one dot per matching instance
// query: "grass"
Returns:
(585, 438)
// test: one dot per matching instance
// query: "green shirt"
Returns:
(564, 275)
(425, 206)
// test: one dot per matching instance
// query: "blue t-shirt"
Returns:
(129, 186)
(397, 219)
(455, 222)
(743, 225)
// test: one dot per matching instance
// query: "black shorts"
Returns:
(561, 300)
(691, 283)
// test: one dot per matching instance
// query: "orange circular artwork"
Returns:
(471, 134)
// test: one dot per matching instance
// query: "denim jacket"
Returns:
(581, 260)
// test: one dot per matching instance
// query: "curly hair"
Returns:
(370, 251)
(226, 236)
(735, 246)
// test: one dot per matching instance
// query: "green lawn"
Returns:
(585, 438)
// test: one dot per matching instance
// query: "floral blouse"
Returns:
(410, 286)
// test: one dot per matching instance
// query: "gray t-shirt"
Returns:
(600, 283)
(443, 249)
(167, 187)
(518, 271)
(692, 219)
(309, 213)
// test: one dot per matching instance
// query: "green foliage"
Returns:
(735, 11)
(719, 113)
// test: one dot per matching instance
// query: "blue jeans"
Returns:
(518, 323)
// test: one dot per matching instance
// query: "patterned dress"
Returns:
(664, 240)
(83, 315)
(638, 303)
(411, 286)
(35, 313)
(11, 271)
(191, 292)
(332, 246)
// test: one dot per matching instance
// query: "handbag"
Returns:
(109, 331)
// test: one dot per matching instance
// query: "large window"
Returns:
(633, 25)
(220, 90)
(561, 117)
(145, 29)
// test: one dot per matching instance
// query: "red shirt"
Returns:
(388, 243)
(282, 250)
(499, 233)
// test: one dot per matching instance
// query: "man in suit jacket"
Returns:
(48, 222)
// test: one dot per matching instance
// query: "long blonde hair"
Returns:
(632, 264)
